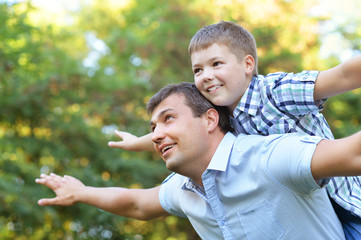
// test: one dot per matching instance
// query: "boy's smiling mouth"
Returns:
(213, 88)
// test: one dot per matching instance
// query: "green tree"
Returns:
(51, 119)
(64, 87)
(342, 110)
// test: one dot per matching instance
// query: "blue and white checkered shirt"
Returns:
(283, 103)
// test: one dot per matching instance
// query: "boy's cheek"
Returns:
(198, 83)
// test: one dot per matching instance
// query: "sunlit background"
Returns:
(73, 71)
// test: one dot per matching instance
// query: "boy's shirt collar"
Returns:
(250, 100)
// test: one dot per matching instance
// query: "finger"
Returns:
(119, 133)
(123, 134)
(54, 176)
(43, 179)
(44, 176)
(39, 180)
(46, 182)
(48, 201)
(52, 181)
(115, 144)
(68, 177)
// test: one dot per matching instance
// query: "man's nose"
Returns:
(158, 134)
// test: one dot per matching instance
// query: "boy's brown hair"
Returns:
(236, 38)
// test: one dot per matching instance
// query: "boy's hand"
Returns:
(131, 142)
(128, 141)
(65, 189)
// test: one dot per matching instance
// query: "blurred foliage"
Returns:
(65, 86)
(342, 111)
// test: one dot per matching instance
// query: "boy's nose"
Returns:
(208, 74)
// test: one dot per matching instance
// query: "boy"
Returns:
(224, 62)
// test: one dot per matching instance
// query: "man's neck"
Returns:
(202, 166)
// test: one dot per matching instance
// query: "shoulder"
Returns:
(174, 178)
(289, 162)
(275, 146)
(170, 194)
(258, 146)
(304, 76)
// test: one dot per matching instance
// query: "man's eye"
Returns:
(168, 117)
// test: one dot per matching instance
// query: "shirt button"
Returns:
(223, 223)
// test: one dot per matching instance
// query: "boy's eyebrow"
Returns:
(214, 58)
(160, 115)
(208, 60)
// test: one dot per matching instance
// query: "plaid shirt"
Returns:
(283, 103)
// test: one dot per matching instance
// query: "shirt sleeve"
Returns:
(292, 93)
(168, 194)
(290, 163)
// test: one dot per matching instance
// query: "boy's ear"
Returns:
(250, 64)
(212, 119)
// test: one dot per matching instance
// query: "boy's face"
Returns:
(220, 76)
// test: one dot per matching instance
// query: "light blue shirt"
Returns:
(255, 187)
(283, 103)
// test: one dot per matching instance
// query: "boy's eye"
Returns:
(196, 70)
(215, 64)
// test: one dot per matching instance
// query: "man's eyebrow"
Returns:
(160, 115)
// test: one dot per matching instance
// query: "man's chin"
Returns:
(171, 165)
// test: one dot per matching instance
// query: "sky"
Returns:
(340, 12)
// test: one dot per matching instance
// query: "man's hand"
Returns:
(65, 189)
(142, 204)
(133, 143)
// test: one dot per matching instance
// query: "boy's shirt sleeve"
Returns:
(281, 103)
(291, 92)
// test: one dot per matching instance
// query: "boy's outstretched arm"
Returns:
(141, 204)
(340, 79)
(131, 142)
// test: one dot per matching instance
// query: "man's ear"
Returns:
(250, 64)
(212, 118)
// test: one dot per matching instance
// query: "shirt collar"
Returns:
(220, 158)
(249, 97)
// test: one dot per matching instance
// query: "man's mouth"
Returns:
(213, 88)
(166, 148)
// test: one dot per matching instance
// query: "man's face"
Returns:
(178, 135)
(219, 75)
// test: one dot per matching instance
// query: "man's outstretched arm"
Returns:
(141, 204)
(341, 157)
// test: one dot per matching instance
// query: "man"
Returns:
(249, 187)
